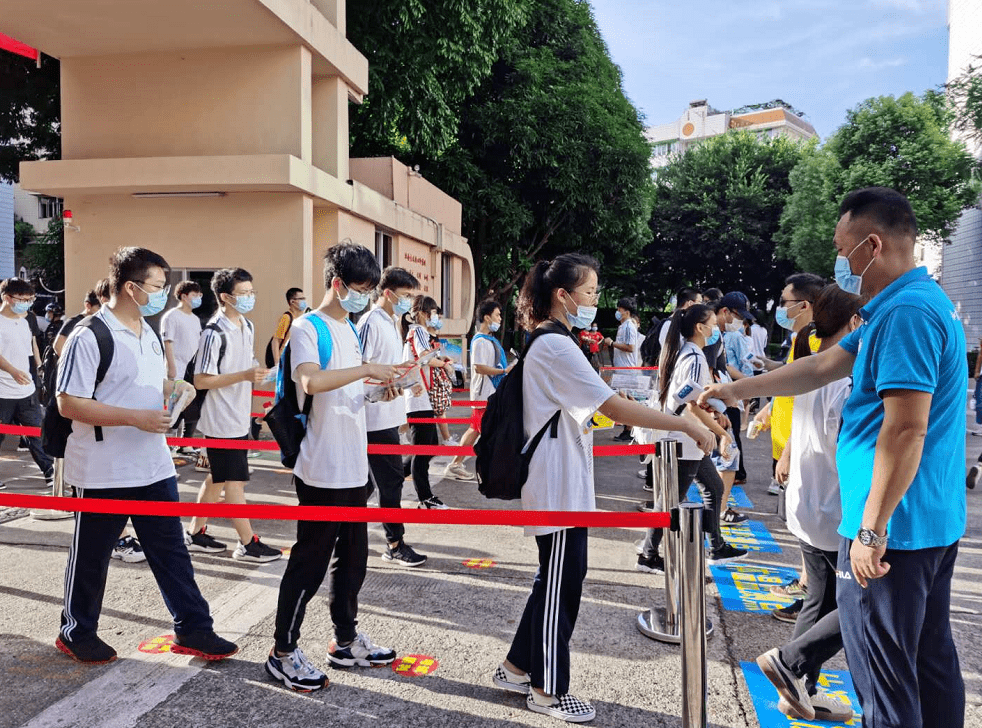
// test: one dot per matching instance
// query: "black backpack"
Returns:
(56, 428)
(192, 413)
(270, 359)
(502, 440)
(48, 375)
(651, 347)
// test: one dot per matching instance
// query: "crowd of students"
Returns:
(881, 352)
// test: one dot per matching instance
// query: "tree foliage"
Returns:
(716, 211)
(424, 59)
(30, 126)
(965, 95)
(550, 154)
(902, 143)
(44, 255)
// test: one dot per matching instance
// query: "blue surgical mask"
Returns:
(438, 324)
(402, 305)
(302, 304)
(20, 307)
(196, 302)
(244, 304)
(494, 326)
(617, 315)
(156, 301)
(714, 337)
(355, 301)
(582, 318)
(844, 277)
(434, 322)
(783, 319)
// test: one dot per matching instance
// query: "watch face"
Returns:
(864, 537)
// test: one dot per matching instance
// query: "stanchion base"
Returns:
(48, 515)
(653, 624)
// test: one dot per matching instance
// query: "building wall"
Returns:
(6, 230)
(961, 268)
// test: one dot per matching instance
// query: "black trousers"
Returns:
(817, 636)
(736, 421)
(26, 412)
(162, 539)
(422, 434)
(710, 488)
(541, 644)
(321, 544)
(387, 472)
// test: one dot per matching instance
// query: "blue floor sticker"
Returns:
(750, 536)
(738, 497)
(765, 698)
(746, 587)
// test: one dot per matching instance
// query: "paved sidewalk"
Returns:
(460, 616)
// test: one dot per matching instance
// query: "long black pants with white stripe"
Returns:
(541, 644)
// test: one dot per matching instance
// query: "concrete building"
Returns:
(216, 133)
(701, 121)
(6, 230)
(961, 269)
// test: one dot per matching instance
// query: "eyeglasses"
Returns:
(594, 297)
(165, 288)
(786, 301)
(30, 300)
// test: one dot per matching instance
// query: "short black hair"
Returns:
(885, 208)
(133, 264)
(291, 292)
(486, 308)
(102, 289)
(225, 279)
(426, 304)
(807, 285)
(351, 263)
(185, 287)
(628, 303)
(711, 295)
(92, 299)
(686, 295)
(16, 287)
(394, 277)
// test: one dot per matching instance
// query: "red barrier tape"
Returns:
(653, 369)
(480, 403)
(578, 519)
(262, 393)
(440, 420)
(455, 450)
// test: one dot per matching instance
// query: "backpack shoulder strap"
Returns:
(222, 342)
(104, 340)
(325, 342)
(357, 337)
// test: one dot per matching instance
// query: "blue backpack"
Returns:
(502, 357)
(287, 419)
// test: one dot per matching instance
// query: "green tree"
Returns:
(902, 143)
(965, 95)
(424, 59)
(550, 154)
(717, 209)
(45, 255)
(30, 126)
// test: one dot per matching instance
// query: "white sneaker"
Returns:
(789, 686)
(564, 707)
(827, 708)
(452, 442)
(295, 671)
(362, 653)
(457, 471)
(774, 488)
(507, 680)
(128, 550)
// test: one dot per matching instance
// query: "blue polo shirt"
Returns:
(912, 339)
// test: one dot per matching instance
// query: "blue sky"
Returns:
(821, 56)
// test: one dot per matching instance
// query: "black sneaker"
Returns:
(206, 645)
(725, 553)
(789, 614)
(433, 503)
(651, 565)
(625, 436)
(256, 551)
(203, 543)
(564, 707)
(403, 555)
(91, 651)
(646, 507)
(362, 652)
(128, 550)
(295, 671)
(972, 479)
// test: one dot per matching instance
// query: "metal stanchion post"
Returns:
(693, 616)
(57, 490)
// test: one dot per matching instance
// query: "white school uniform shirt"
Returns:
(226, 411)
(558, 377)
(814, 507)
(690, 365)
(183, 330)
(334, 452)
(127, 457)
(421, 339)
(15, 347)
(482, 352)
(758, 340)
(381, 344)
(627, 333)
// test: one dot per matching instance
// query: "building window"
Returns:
(665, 148)
(383, 249)
(446, 285)
(49, 207)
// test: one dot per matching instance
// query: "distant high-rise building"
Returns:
(701, 121)
(961, 267)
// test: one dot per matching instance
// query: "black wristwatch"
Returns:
(868, 537)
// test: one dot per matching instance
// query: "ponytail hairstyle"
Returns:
(683, 326)
(421, 304)
(565, 271)
(834, 309)
(806, 286)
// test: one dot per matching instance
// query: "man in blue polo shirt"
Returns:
(901, 456)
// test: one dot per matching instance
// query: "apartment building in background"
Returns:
(216, 133)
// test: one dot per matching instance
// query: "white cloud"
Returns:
(870, 64)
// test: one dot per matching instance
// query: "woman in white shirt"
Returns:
(681, 364)
(560, 295)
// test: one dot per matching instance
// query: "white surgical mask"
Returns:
(734, 325)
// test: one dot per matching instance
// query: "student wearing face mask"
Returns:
(590, 340)
(489, 364)
(626, 347)
(418, 405)
(297, 302)
(180, 328)
(381, 343)
(441, 391)
(229, 376)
